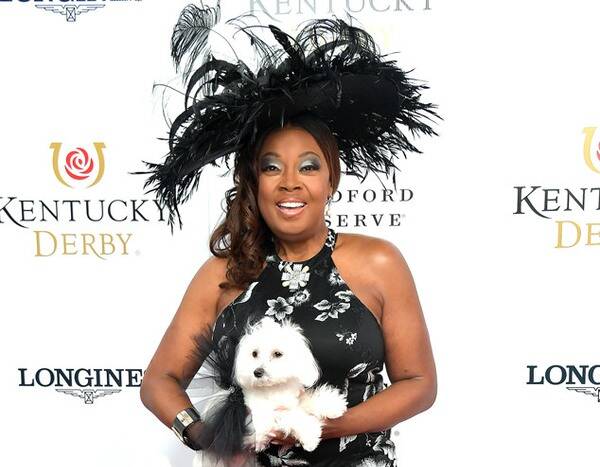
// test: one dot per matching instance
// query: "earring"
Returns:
(328, 204)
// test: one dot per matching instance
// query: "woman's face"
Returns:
(293, 182)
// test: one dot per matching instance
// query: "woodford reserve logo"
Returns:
(544, 202)
(78, 169)
(584, 379)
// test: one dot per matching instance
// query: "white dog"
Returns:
(276, 369)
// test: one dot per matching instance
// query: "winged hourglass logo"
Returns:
(70, 12)
(589, 390)
(591, 149)
(88, 395)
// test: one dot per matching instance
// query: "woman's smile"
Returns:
(291, 208)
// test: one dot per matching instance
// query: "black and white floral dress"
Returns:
(346, 340)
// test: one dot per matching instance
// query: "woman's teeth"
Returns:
(291, 208)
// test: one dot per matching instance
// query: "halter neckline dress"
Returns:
(346, 340)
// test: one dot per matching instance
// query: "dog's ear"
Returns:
(306, 367)
(308, 370)
(252, 323)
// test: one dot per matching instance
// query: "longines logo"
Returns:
(85, 383)
(69, 9)
(319, 7)
(544, 201)
(585, 375)
(78, 169)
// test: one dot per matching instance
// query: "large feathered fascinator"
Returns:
(331, 69)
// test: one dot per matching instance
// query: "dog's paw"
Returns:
(336, 408)
(325, 401)
(309, 433)
(311, 445)
(310, 442)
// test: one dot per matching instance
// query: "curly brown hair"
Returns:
(243, 237)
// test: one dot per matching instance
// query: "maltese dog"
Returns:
(276, 370)
(268, 377)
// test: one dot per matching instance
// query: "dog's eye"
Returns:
(277, 353)
(254, 353)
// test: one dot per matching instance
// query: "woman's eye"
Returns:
(304, 168)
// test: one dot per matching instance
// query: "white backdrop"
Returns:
(516, 83)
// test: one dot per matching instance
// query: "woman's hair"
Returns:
(243, 236)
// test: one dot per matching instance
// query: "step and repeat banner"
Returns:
(498, 219)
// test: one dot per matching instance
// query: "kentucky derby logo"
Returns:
(78, 166)
(591, 149)
(571, 208)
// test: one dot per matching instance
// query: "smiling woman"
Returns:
(320, 98)
(296, 163)
(285, 165)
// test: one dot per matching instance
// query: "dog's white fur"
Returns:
(274, 366)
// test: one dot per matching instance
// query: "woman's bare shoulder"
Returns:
(218, 269)
(375, 250)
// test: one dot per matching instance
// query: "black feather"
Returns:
(331, 69)
(190, 34)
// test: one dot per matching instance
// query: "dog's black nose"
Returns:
(259, 372)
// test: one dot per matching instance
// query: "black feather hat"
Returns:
(331, 69)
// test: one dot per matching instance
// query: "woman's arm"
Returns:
(409, 358)
(173, 365)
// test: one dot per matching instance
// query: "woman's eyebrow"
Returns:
(273, 153)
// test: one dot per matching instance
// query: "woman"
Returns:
(292, 164)
(353, 294)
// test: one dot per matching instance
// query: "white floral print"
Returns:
(270, 258)
(299, 297)
(345, 440)
(335, 278)
(295, 275)
(285, 456)
(348, 337)
(385, 445)
(279, 308)
(375, 383)
(247, 294)
(333, 309)
(330, 240)
(373, 463)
